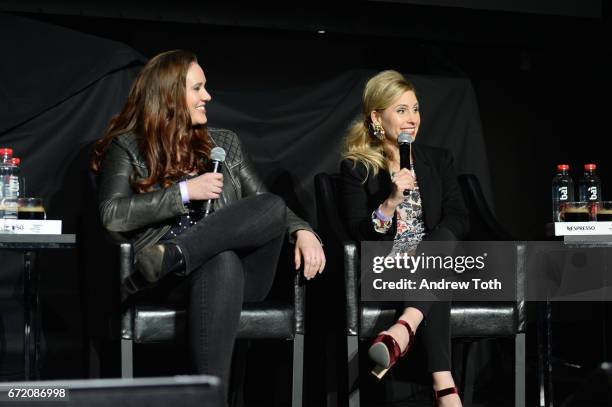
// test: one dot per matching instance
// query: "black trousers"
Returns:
(434, 332)
(231, 257)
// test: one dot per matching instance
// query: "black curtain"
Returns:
(59, 89)
(298, 132)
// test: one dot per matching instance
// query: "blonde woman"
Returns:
(406, 205)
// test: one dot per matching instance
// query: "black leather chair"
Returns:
(469, 321)
(154, 323)
(148, 323)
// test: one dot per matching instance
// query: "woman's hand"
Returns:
(401, 181)
(308, 247)
(205, 186)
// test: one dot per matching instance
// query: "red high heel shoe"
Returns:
(385, 350)
(444, 392)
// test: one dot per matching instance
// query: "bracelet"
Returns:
(381, 215)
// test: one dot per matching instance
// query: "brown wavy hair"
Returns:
(156, 113)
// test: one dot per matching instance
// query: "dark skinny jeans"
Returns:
(231, 258)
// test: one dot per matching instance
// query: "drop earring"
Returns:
(377, 131)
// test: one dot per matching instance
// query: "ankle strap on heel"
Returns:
(410, 334)
(445, 392)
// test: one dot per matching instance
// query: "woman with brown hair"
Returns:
(382, 201)
(154, 173)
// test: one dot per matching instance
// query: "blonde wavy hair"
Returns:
(360, 144)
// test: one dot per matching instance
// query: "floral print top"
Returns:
(410, 226)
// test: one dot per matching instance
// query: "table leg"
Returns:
(545, 354)
(30, 301)
(548, 364)
(26, 315)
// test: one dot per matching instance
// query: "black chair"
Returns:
(146, 323)
(155, 323)
(469, 321)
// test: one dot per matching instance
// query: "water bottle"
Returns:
(6, 157)
(13, 178)
(562, 190)
(589, 186)
(18, 179)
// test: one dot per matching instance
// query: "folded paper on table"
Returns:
(31, 226)
(583, 228)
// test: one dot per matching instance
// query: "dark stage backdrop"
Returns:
(58, 90)
(294, 133)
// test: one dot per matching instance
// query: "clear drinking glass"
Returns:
(31, 208)
(575, 212)
(603, 211)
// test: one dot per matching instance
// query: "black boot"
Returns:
(155, 261)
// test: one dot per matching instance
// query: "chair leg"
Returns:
(352, 345)
(519, 370)
(298, 370)
(127, 358)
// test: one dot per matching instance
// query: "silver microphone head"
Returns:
(217, 154)
(404, 138)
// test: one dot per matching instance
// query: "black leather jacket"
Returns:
(144, 218)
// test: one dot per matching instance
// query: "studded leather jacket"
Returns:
(144, 218)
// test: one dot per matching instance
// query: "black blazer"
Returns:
(444, 212)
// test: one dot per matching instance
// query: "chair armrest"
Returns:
(351, 276)
(126, 261)
(299, 298)
(521, 315)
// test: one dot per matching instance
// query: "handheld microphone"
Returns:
(404, 141)
(217, 156)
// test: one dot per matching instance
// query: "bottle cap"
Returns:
(6, 151)
(563, 167)
(16, 161)
(590, 167)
